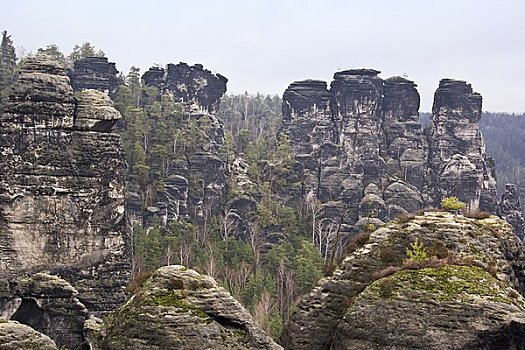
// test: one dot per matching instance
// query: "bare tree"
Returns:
(285, 290)
(228, 222)
(254, 235)
(168, 255)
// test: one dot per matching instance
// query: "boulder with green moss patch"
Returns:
(481, 300)
(178, 308)
(448, 307)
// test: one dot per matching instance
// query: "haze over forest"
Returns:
(263, 46)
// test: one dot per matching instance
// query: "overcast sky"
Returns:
(265, 45)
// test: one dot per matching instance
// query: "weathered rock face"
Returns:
(362, 152)
(196, 176)
(435, 307)
(178, 308)
(16, 336)
(62, 186)
(95, 73)
(194, 84)
(509, 208)
(49, 305)
(458, 163)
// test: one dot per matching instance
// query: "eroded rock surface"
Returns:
(95, 73)
(181, 309)
(16, 336)
(362, 152)
(48, 304)
(189, 84)
(196, 174)
(447, 307)
(509, 208)
(62, 186)
(332, 316)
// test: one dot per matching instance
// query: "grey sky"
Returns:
(265, 45)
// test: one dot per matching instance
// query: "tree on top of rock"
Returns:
(53, 51)
(85, 50)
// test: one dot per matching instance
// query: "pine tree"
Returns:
(7, 67)
(53, 51)
(84, 50)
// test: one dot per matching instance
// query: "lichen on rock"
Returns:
(474, 277)
(180, 308)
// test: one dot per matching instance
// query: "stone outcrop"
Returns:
(178, 308)
(16, 336)
(95, 73)
(195, 180)
(62, 186)
(458, 163)
(48, 304)
(448, 307)
(469, 294)
(509, 208)
(362, 152)
(189, 84)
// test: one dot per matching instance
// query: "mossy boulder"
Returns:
(447, 307)
(474, 277)
(178, 308)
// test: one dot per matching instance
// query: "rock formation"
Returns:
(48, 304)
(194, 85)
(95, 73)
(61, 192)
(458, 163)
(362, 152)
(16, 336)
(178, 308)
(466, 297)
(509, 208)
(196, 178)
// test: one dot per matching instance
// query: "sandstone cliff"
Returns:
(61, 194)
(362, 152)
(195, 178)
(95, 73)
(465, 296)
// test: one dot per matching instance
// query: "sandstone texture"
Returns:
(178, 308)
(509, 208)
(48, 304)
(189, 84)
(62, 188)
(363, 154)
(468, 296)
(195, 178)
(16, 336)
(95, 73)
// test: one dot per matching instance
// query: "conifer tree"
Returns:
(7, 67)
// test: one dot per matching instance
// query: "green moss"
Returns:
(176, 300)
(445, 283)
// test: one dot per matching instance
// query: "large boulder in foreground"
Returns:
(468, 295)
(178, 308)
(16, 336)
(447, 307)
